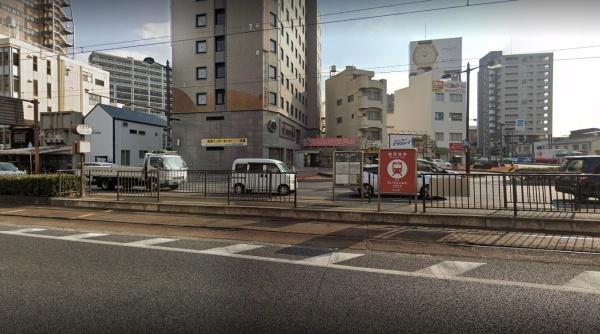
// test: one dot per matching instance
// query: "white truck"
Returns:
(165, 169)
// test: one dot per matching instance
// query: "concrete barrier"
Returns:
(504, 223)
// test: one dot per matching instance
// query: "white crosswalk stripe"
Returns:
(450, 268)
(587, 280)
(151, 242)
(231, 249)
(26, 230)
(331, 258)
(85, 236)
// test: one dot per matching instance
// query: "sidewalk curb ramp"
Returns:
(504, 223)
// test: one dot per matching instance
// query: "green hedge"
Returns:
(38, 185)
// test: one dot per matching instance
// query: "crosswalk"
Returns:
(462, 271)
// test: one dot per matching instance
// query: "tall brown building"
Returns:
(48, 23)
(245, 70)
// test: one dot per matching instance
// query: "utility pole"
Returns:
(36, 135)
(467, 147)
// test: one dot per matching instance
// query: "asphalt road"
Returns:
(70, 281)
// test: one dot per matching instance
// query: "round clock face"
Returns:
(425, 55)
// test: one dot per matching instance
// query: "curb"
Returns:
(522, 224)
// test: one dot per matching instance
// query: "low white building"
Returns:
(434, 108)
(123, 136)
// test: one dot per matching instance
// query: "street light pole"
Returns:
(168, 108)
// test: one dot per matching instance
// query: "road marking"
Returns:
(233, 249)
(586, 280)
(108, 211)
(331, 258)
(450, 268)
(86, 215)
(25, 230)
(399, 273)
(151, 242)
(12, 211)
(85, 235)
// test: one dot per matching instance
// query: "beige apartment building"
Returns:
(241, 81)
(357, 108)
(48, 23)
(58, 82)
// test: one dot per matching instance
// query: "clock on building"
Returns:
(425, 55)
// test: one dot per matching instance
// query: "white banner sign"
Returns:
(403, 141)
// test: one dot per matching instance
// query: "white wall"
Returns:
(101, 139)
(124, 140)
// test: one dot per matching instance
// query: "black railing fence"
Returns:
(544, 192)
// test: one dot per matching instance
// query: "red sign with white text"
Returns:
(398, 171)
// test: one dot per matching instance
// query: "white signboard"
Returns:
(84, 129)
(403, 141)
(442, 55)
(348, 168)
(84, 147)
(520, 125)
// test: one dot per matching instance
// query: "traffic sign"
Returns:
(398, 171)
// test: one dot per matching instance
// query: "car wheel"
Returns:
(283, 190)
(424, 193)
(106, 184)
(238, 189)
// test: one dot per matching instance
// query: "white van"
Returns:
(262, 176)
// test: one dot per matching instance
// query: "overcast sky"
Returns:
(382, 43)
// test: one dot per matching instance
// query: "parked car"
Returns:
(262, 176)
(582, 187)
(442, 163)
(524, 160)
(8, 169)
(371, 180)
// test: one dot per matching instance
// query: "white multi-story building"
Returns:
(356, 107)
(59, 83)
(514, 102)
(434, 108)
(138, 85)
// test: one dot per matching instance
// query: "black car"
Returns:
(581, 186)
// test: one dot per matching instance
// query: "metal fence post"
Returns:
(118, 186)
(504, 191)
(295, 190)
(158, 182)
(90, 182)
(424, 198)
(514, 191)
(228, 187)
(205, 176)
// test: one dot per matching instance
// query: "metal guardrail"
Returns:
(224, 185)
(543, 192)
(63, 191)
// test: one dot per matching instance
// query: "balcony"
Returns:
(365, 103)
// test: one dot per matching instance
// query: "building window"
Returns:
(439, 97)
(272, 98)
(350, 98)
(220, 70)
(87, 77)
(374, 115)
(273, 20)
(125, 157)
(456, 116)
(220, 97)
(439, 136)
(201, 99)
(142, 133)
(133, 132)
(35, 88)
(272, 72)
(456, 98)
(219, 43)
(456, 136)
(49, 90)
(273, 45)
(287, 106)
(200, 46)
(201, 20)
(35, 63)
(339, 120)
(439, 116)
(374, 94)
(219, 16)
(201, 73)
(48, 67)
(99, 82)
(142, 154)
(339, 102)
(281, 102)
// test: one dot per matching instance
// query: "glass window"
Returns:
(220, 70)
(201, 20)
(439, 136)
(99, 82)
(339, 102)
(350, 98)
(456, 136)
(241, 167)
(273, 45)
(456, 116)
(439, 116)
(373, 115)
(272, 72)
(220, 97)
(272, 98)
(200, 46)
(255, 168)
(272, 168)
(219, 43)
(439, 97)
(201, 99)
(456, 98)
(201, 73)
(273, 19)
(219, 16)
